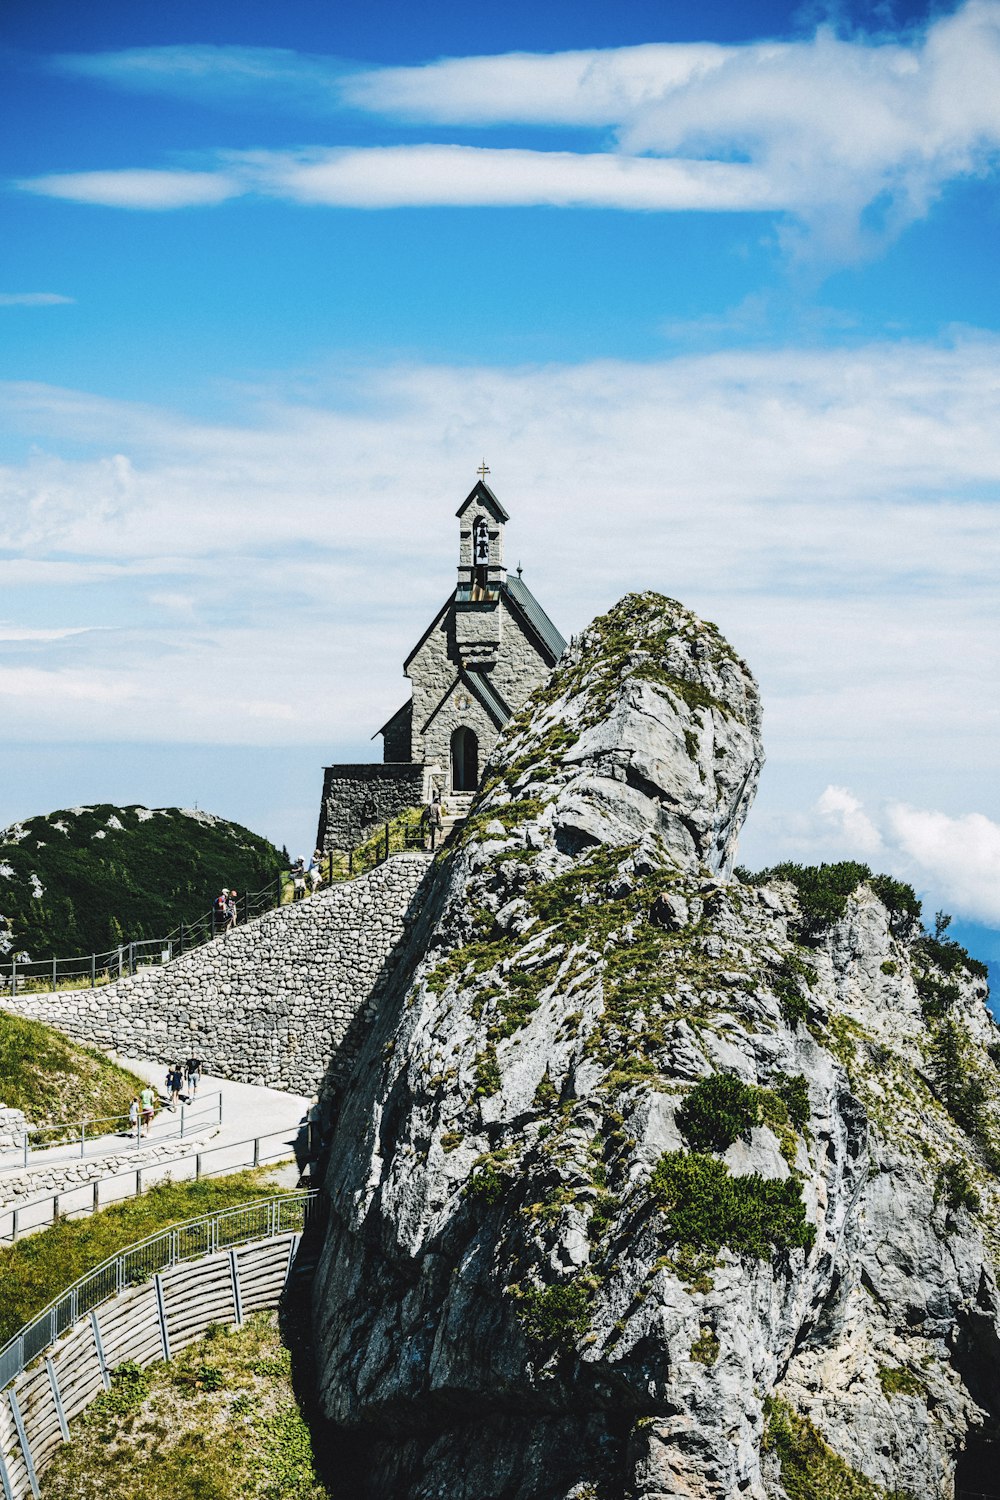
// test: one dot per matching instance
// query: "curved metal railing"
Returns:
(262, 1219)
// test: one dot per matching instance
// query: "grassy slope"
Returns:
(53, 1079)
(220, 1422)
(36, 1269)
(102, 884)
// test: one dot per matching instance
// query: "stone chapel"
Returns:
(487, 647)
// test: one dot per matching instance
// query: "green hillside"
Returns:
(87, 878)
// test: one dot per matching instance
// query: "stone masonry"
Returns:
(283, 1001)
(358, 799)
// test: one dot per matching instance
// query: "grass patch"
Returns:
(707, 1208)
(897, 1380)
(810, 1470)
(54, 1080)
(37, 1268)
(220, 1422)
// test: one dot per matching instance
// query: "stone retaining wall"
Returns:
(358, 799)
(37, 1180)
(277, 1002)
(12, 1127)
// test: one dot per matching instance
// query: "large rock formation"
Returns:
(654, 1183)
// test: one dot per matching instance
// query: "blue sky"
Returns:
(713, 288)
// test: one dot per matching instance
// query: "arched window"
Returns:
(464, 760)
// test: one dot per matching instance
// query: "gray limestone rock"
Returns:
(547, 1275)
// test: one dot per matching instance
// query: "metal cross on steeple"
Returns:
(482, 471)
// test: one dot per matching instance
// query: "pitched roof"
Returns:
(488, 696)
(481, 491)
(525, 603)
(406, 708)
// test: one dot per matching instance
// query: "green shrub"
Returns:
(705, 1349)
(955, 1186)
(129, 1389)
(888, 967)
(810, 1470)
(948, 956)
(707, 1208)
(787, 978)
(490, 1178)
(717, 1112)
(487, 1072)
(897, 1380)
(794, 1090)
(961, 1092)
(559, 1313)
(900, 901)
(823, 892)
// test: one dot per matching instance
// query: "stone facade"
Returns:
(283, 1001)
(358, 799)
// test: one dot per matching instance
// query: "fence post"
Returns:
(387, 841)
(182, 1119)
(121, 960)
(55, 1208)
(26, 1148)
(83, 1137)
(97, 1194)
(93, 970)
(180, 938)
(54, 962)
(256, 1150)
(13, 978)
(131, 958)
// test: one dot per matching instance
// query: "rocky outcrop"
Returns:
(651, 1182)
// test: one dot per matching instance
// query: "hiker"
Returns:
(219, 906)
(175, 1082)
(298, 873)
(315, 871)
(433, 819)
(230, 910)
(133, 1116)
(193, 1070)
(147, 1108)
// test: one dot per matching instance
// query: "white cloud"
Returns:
(834, 511)
(135, 188)
(33, 299)
(846, 812)
(825, 128)
(952, 860)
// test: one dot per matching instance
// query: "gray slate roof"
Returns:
(524, 600)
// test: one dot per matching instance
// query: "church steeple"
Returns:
(481, 518)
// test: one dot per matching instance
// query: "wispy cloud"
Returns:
(33, 299)
(826, 129)
(135, 188)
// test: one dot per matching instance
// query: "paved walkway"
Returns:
(249, 1113)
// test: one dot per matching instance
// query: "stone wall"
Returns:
(357, 799)
(12, 1127)
(42, 1178)
(276, 1002)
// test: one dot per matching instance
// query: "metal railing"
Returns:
(39, 1140)
(90, 970)
(190, 1240)
(80, 1199)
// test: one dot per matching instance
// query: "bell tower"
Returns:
(481, 577)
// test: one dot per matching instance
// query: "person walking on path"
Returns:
(315, 872)
(193, 1071)
(147, 1104)
(230, 910)
(433, 819)
(298, 873)
(219, 906)
(175, 1082)
(133, 1116)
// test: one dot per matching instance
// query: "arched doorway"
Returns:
(464, 760)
